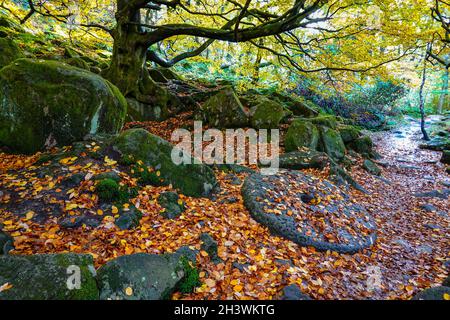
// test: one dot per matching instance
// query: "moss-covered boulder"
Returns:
(48, 277)
(9, 51)
(301, 134)
(304, 159)
(172, 205)
(129, 218)
(62, 104)
(301, 107)
(436, 293)
(191, 179)
(438, 143)
(349, 133)
(325, 121)
(267, 114)
(362, 145)
(225, 110)
(141, 277)
(332, 143)
(371, 167)
(445, 157)
(78, 62)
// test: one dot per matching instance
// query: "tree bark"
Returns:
(422, 101)
(128, 62)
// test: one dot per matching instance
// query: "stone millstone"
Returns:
(313, 213)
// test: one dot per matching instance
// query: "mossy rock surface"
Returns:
(225, 110)
(195, 180)
(172, 205)
(371, 167)
(79, 63)
(363, 145)
(129, 218)
(299, 106)
(325, 121)
(301, 134)
(267, 114)
(9, 51)
(304, 159)
(332, 143)
(349, 133)
(437, 143)
(62, 104)
(141, 277)
(436, 293)
(45, 277)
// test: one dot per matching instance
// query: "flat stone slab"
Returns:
(309, 211)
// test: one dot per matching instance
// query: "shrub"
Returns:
(191, 278)
(109, 190)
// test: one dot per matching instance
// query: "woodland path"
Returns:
(414, 241)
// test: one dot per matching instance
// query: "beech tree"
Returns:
(303, 35)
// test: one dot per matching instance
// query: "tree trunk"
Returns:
(422, 101)
(257, 66)
(128, 69)
(444, 94)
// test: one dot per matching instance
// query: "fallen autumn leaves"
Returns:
(255, 264)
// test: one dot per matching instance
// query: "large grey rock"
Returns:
(225, 110)
(332, 143)
(192, 179)
(141, 277)
(300, 160)
(349, 133)
(48, 103)
(436, 293)
(301, 134)
(46, 277)
(267, 114)
(293, 293)
(170, 202)
(371, 167)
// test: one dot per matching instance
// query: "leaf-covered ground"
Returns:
(411, 252)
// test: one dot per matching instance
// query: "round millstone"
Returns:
(309, 211)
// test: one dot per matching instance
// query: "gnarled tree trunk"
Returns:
(128, 69)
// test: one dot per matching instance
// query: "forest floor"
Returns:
(411, 253)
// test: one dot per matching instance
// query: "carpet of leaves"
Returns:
(256, 265)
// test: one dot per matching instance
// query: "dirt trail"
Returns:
(414, 241)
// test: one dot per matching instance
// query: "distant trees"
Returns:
(440, 52)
